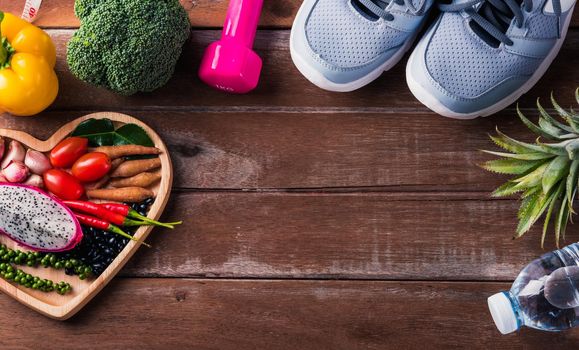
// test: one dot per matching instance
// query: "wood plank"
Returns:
(346, 236)
(206, 314)
(202, 13)
(282, 87)
(319, 150)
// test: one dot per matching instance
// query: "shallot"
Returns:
(16, 172)
(15, 152)
(34, 180)
(37, 162)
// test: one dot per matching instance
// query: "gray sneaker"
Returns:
(480, 56)
(342, 45)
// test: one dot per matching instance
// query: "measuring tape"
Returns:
(31, 8)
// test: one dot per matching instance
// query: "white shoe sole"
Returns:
(322, 82)
(436, 106)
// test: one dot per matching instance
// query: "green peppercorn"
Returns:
(34, 259)
(27, 280)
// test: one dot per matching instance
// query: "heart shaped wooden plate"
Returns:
(62, 307)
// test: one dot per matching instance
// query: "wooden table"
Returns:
(314, 220)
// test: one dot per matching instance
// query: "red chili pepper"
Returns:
(93, 222)
(102, 212)
(127, 211)
(114, 218)
(117, 208)
(121, 210)
(86, 207)
(117, 214)
(104, 225)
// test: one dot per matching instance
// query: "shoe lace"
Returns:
(378, 7)
(493, 17)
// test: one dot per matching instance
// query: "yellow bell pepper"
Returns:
(28, 83)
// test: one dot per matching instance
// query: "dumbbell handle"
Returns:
(241, 21)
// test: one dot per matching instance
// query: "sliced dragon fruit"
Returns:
(36, 220)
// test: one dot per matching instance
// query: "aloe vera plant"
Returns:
(545, 172)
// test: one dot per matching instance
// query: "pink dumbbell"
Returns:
(230, 63)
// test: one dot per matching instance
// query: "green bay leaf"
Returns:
(101, 132)
(134, 135)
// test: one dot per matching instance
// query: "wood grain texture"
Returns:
(345, 236)
(202, 13)
(293, 182)
(349, 235)
(206, 314)
(282, 87)
(63, 307)
(262, 150)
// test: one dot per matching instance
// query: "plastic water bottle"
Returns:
(544, 296)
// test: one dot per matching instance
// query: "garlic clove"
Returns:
(15, 152)
(16, 172)
(35, 180)
(37, 162)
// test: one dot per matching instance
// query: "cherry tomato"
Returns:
(68, 151)
(91, 167)
(63, 185)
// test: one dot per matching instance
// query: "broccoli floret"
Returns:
(127, 46)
